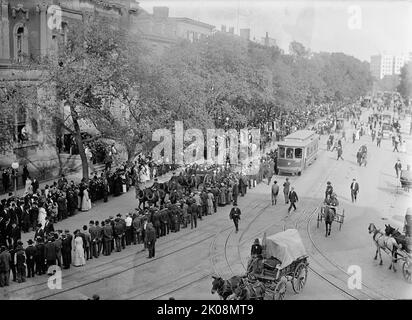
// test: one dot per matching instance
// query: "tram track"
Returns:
(203, 275)
(125, 270)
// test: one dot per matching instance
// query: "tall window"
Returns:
(19, 44)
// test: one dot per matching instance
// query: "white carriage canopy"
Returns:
(286, 246)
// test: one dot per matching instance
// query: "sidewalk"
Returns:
(100, 210)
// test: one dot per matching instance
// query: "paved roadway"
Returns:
(186, 260)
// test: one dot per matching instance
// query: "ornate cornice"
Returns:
(19, 8)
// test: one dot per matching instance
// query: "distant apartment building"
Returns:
(160, 30)
(382, 65)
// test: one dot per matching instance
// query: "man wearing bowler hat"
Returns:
(30, 258)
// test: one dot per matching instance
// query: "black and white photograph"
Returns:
(205, 150)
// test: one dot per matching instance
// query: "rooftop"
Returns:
(300, 135)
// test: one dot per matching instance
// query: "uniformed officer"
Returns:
(164, 217)
(30, 256)
(156, 222)
(235, 216)
(193, 212)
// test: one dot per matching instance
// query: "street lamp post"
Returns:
(15, 166)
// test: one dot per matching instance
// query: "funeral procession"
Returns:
(205, 150)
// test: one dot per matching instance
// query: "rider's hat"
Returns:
(328, 182)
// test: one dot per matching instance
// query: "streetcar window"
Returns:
(289, 153)
(298, 153)
(282, 152)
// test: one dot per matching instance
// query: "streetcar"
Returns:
(386, 130)
(340, 122)
(297, 151)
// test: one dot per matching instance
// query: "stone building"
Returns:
(30, 29)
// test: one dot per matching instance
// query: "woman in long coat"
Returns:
(222, 195)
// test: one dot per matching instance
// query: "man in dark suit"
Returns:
(293, 198)
(48, 227)
(35, 185)
(151, 239)
(235, 216)
(3, 241)
(193, 209)
(50, 254)
(107, 238)
(354, 189)
(66, 251)
(30, 258)
(58, 244)
(15, 234)
(99, 232)
(39, 258)
(39, 232)
(5, 259)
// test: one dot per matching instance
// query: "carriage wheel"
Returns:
(299, 277)
(317, 225)
(280, 290)
(407, 271)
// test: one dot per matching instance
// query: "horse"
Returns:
(224, 288)
(248, 291)
(383, 242)
(400, 238)
(330, 214)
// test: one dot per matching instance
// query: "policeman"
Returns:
(164, 217)
(235, 216)
(156, 222)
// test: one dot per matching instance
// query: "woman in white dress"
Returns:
(42, 216)
(78, 250)
(28, 187)
(86, 202)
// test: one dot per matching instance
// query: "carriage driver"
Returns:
(256, 250)
(329, 190)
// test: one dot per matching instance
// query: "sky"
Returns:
(358, 28)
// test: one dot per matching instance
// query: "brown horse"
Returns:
(384, 242)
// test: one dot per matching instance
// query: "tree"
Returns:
(405, 85)
(92, 78)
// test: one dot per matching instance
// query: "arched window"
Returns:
(20, 42)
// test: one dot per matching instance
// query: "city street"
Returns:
(185, 261)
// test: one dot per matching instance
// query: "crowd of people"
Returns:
(144, 226)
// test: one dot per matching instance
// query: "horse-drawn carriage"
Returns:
(330, 213)
(361, 155)
(284, 259)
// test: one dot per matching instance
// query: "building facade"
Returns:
(160, 31)
(382, 65)
(31, 29)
